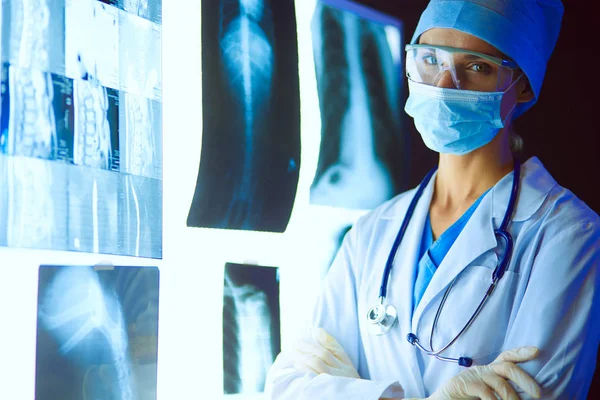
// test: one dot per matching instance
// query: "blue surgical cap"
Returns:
(524, 30)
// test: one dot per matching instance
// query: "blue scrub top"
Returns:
(431, 254)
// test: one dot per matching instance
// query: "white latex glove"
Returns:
(322, 354)
(485, 381)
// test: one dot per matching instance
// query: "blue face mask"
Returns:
(455, 121)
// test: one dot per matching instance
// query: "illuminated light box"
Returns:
(81, 126)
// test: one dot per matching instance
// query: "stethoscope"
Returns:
(381, 318)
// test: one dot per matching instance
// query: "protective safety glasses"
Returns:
(458, 68)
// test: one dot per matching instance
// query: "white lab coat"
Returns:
(548, 298)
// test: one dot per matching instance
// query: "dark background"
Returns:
(560, 128)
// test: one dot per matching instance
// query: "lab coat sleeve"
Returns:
(336, 312)
(559, 313)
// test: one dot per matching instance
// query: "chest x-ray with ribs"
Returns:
(97, 333)
(250, 157)
(251, 338)
(362, 159)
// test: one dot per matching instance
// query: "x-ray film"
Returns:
(363, 156)
(55, 206)
(81, 156)
(140, 136)
(92, 42)
(36, 113)
(96, 136)
(33, 34)
(250, 158)
(97, 333)
(147, 9)
(251, 326)
(140, 56)
(33, 203)
(56, 118)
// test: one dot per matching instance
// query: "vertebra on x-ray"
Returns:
(362, 156)
(33, 34)
(89, 323)
(250, 158)
(251, 338)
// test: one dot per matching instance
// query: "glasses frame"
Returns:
(496, 60)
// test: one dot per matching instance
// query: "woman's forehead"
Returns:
(460, 40)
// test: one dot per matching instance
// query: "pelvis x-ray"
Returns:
(362, 156)
(250, 157)
(251, 326)
(97, 333)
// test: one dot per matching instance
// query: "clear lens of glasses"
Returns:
(457, 68)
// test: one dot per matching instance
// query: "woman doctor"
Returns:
(493, 285)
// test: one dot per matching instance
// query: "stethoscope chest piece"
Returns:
(381, 319)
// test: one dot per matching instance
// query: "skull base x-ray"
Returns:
(363, 157)
(97, 333)
(251, 326)
(250, 160)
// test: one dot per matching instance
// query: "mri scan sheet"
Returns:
(97, 333)
(363, 156)
(140, 147)
(33, 34)
(251, 326)
(139, 56)
(55, 206)
(250, 158)
(92, 42)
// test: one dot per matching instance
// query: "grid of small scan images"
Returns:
(81, 126)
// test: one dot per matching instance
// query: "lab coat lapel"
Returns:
(476, 238)
(403, 278)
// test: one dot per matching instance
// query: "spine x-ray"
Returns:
(250, 157)
(363, 157)
(97, 333)
(80, 126)
(251, 326)
(33, 34)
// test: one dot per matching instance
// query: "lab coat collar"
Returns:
(536, 183)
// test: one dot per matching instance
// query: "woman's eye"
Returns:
(480, 68)
(430, 59)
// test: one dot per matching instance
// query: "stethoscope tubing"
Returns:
(496, 275)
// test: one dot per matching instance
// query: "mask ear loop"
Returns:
(509, 91)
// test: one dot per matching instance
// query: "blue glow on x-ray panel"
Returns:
(98, 323)
(248, 57)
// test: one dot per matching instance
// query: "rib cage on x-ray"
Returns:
(251, 135)
(249, 347)
(361, 161)
(97, 333)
